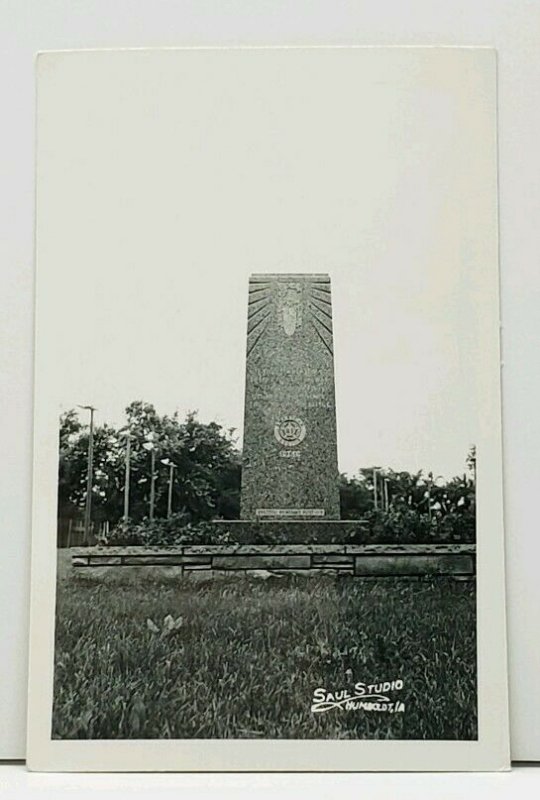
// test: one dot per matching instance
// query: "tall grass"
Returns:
(245, 656)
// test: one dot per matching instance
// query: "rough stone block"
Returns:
(333, 559)
(330, 572)
(261, 562)
(262, 549)
(410, 549)
(154, 560)
(413, 565)
(105, 561)
(211, 549)
(140, 550)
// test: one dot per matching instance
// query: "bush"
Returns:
(402, 525)
(176, 530)
(398, 525)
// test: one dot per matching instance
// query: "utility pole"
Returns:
(386, 502)
(169, 499)
(152, 482)
(89, 476)
(126, 480)
(375, 493)
(172, 466)
(150, 445)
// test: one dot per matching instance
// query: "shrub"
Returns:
(177, 529)
(397, 525)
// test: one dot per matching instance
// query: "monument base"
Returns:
(287, 531)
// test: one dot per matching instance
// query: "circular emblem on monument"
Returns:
(290, 432)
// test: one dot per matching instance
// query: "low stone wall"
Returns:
(367, 560)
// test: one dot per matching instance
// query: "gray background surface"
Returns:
(512, 27)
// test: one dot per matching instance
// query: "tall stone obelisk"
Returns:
(289, 465)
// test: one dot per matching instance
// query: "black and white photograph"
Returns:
(267, 468)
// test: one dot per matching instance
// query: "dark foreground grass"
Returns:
(249, 653)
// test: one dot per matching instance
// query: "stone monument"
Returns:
(289, 464)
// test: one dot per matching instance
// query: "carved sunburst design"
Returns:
(263, 296)
(320, 306)
(259, 310)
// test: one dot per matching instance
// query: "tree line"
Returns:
(197, 473)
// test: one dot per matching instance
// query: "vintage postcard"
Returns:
(267, 520)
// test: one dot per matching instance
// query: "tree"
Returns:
(206, 475)
(420, 507)
(69, 470)
(73, 466)
(356, 495)
(471, 462)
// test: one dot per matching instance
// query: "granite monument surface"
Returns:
(289, 464)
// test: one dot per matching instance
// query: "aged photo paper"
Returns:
(267, 504)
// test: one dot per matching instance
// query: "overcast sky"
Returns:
(167, 178)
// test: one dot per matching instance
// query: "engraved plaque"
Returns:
(294, 513)
(290, 432)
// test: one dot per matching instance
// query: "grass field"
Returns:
(246, 656)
